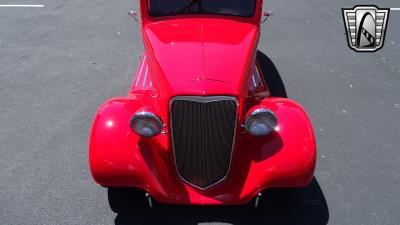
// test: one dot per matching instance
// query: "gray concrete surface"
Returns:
(60, 62)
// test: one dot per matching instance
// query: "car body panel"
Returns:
(183, 53)
(194, 56)
(119, 157)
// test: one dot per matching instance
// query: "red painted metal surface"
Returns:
(200, 56)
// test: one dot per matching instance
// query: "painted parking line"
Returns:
(21, 6)
(395, 9)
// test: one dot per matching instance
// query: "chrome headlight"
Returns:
(146, 124)
(261, 122)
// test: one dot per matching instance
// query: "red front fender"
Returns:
(112, 146)
(119, 158)
(287, 157)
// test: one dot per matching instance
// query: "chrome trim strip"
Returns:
(145, 76)
(254, 81)
(205, 99)
(140, 71)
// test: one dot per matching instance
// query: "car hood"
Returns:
(200, 56)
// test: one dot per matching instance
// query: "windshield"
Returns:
(242, 8)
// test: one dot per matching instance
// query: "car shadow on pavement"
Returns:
(278, 207)
(271, 76)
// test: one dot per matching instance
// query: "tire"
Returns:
(127, 200)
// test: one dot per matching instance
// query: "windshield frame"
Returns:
(202, 14)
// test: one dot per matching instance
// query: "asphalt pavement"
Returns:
(60, 62)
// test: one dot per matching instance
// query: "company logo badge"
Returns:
(366, 27)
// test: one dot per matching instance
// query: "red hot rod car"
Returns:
(199, 125)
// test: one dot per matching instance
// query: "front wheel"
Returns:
(127, 200)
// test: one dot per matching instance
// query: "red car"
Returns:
(200, 125)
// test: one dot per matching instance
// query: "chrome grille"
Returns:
(203, 131)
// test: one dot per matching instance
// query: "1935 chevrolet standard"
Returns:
(199, 125)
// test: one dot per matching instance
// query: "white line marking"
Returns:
(395, 9)
(21, 6)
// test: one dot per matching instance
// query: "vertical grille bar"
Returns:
(203, 131)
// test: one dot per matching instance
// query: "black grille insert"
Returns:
(203, 131)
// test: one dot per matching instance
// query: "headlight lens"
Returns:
(261, 122)
(146, 124)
